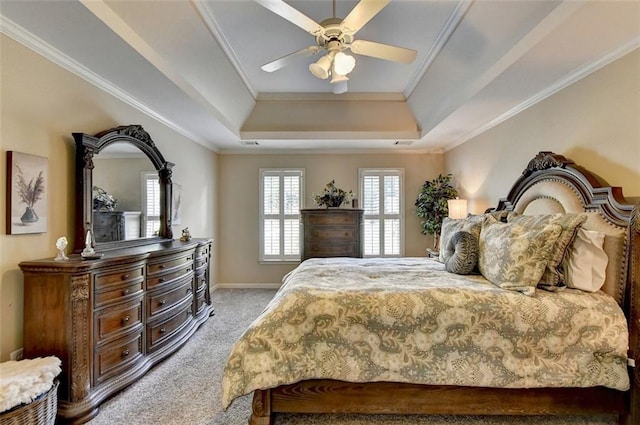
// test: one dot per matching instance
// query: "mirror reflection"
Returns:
(126, 194)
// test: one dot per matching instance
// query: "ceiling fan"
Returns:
(335, 35)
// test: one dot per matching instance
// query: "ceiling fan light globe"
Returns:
(321, 68)
(343, 63)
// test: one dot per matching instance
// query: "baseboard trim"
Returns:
(246, 286)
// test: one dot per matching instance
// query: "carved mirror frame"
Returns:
(86, 147)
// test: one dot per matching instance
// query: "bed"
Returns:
(407, 336)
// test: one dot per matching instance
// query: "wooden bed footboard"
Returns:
(328, 396)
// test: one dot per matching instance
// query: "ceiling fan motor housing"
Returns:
(333, 32)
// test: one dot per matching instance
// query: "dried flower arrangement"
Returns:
(332, 196)
(29, 193)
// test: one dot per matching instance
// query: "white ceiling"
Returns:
(195, 65)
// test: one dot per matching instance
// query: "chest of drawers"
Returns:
(331, 232)
(110, 320)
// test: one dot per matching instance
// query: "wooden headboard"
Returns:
(553, 183)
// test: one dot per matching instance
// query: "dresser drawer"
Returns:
(114, 321)
(338, 234)
(335, 218)
(201, 301)
(166, 278)
(168, 328)
(118, 293)
(170, 263)
(160, 302)
(120, 276)
(113, 358)
(201, 280)
(331, 249)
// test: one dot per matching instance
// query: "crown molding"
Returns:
(394, 97)
(443, 36)
(44, 49)
(554, 88)
(215, 30)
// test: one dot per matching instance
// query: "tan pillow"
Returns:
(553, 275)
(514, 256)
(586, 262)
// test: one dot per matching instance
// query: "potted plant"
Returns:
(431, 205)
(332, 196)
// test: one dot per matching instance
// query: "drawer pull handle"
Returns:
(125, 276)
(162, 302)
(346, 233)
(125, 353)
(125, 319)
(163, 330)
(125, 291)
(316, 233)
(161, 266)
(188, 269)
(161, 280)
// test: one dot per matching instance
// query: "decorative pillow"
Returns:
(462, 253)
(553, 275)
(471, 224)
(514, 256)
(586, 262)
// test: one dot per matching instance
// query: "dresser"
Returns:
(332, 232)
(109, 226)
(110, 320)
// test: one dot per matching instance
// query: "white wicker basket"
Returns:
(41, 411)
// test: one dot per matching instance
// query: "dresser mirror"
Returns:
(123, 189)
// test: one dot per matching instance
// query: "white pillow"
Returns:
(586, 263)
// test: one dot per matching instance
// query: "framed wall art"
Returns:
(27, 191)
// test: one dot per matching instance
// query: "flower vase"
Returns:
(29, 216)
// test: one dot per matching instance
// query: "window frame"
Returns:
(281, 172)
(381, 216)
(145, 176)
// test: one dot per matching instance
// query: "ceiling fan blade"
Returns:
(361, 14)
(292, 15)
(383, 51)
(339, 88)
(285, 60)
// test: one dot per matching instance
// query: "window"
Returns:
(281, 196)
(381, 192)
(150, 204)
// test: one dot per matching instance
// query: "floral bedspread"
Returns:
(408, 320)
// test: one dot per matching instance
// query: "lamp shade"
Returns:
(457, 208)
(321, 68)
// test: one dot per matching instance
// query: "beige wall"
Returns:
(42, 104)
(595, 122)
(238, 206)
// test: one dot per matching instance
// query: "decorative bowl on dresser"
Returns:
(332, 232)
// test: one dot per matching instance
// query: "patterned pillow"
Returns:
(514, 256)
(462, 253)
(471, 224)
(553, 276)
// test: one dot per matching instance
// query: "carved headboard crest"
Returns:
(545, 160)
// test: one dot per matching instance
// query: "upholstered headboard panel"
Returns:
(553, 196)
(552, 183)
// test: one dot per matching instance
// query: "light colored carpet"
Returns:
(185, 388)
